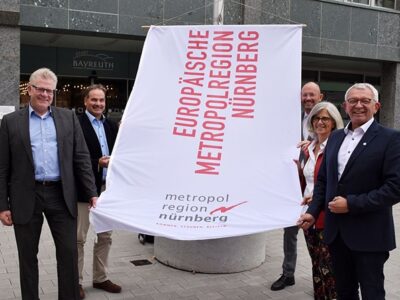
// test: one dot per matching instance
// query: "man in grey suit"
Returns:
(43, 157)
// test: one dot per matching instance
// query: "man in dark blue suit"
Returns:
(358, 183)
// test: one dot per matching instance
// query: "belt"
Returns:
(47, 183)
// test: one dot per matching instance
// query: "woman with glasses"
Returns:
(322, 120)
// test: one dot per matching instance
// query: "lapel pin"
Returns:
(364, 144)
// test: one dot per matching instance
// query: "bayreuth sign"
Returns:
(90, 61)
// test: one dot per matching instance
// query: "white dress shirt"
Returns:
(308, 170)
(350, 142)
(98, 126)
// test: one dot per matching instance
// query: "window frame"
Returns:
(373, 3)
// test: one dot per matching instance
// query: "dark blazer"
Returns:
(301, 122)
(17, 176)
(111, 130)
(371, 184)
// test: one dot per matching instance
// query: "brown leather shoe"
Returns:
(107, 286)
(81, 292)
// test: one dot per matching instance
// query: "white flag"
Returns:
(207, 140)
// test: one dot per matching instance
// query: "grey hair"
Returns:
(332, 111)
(43, 73)
(363, 86)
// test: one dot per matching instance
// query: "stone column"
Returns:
(390, 95)
(227, 255)
(9, 53)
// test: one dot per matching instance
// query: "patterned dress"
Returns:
(322, 272)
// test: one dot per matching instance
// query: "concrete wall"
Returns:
(346, 31)
(9, 52)
(390, 95)
(334, 28)
(114, 16)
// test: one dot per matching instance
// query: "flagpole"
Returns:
(218, 16)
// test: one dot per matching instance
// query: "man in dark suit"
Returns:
(358, 183)
(310, 96)
(42, 156)
(100, 134)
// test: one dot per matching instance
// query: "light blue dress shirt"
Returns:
(44, 146)
(98, 127)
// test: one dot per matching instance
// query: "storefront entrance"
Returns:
(69, 94)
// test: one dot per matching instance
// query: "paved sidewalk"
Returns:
(157, 281)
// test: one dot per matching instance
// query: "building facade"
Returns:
(344, 41)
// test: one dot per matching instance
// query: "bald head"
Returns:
(312, 85)
(310, 96)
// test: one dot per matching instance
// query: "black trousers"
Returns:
(48, 201)
(358, 269)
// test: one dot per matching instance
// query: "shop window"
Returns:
(70, 91)
(130, 86)
(117, 96)
(385, 3)
(23, 91)
(375, 81)
(393, 4)
(336, 97)
(341, 77)
(309, 75)
(69, 94)
(360, 1)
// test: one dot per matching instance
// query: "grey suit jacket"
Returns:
(17, 178)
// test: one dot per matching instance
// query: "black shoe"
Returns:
(282, 282)
(145, 238)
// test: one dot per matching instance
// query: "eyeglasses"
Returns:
(363, 101)
(322, 119)
(43, 90)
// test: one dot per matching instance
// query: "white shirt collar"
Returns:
(363, 127)
(321, 146)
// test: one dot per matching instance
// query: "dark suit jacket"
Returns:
(301, 122)
(17, 177)
(371, 184)
(111, 130)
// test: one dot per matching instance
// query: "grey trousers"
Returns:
(289, 250)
